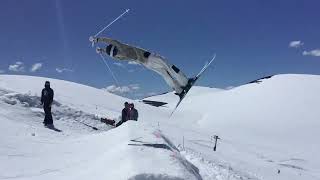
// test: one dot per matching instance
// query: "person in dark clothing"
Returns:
(46, 100)
(124, 114)
(133, 113)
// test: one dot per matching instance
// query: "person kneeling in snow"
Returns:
(133, 113)
(47, 100)
(124, 114)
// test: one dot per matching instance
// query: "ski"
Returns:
(108, 121)
(191, 82)
(51, 127)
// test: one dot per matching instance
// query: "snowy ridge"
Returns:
(75, 95)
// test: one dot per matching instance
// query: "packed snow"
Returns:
(268, 130)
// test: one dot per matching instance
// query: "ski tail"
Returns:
(206, 65)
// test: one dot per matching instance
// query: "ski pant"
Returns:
(173, 76)
(48, 115)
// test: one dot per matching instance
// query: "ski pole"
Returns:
(215, 144)
(116, 19)
(111, 72)
(94, 128)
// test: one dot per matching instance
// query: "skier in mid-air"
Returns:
(173, 76)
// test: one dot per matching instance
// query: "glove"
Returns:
(93, 39)
(99, 50)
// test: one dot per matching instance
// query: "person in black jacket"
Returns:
(133, 113)
(46, 100)
(124, 114)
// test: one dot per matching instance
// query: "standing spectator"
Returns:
(133, 113)
(46, 100)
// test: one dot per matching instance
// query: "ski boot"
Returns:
(185, 89)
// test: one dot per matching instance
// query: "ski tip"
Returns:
(127, 10)
(214, 55)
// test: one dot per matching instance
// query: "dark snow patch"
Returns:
(260, 80)
(26, 100)
(74, 118)
(146, 176)
(153, 145)
(292, 166)
(154, 103)
(156, 94)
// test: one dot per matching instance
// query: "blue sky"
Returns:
(251, 39)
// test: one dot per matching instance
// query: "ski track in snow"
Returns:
(63, 114)
(214, 170)
(177, 155)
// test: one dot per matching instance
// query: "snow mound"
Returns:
(25, 100)
(260, 125)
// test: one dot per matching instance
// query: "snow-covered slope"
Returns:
(30, 151)
(263, 127)
(268, 131)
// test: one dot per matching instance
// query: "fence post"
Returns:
(183, 142)
(215, 143)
